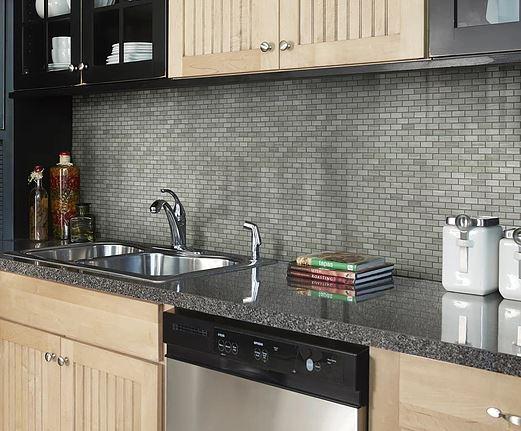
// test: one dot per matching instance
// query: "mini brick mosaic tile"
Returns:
(372, 163)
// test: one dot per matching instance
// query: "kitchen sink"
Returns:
(137, 262)
(76, 252)
(159, 265)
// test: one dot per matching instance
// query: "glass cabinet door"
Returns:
(123, 39)
(474, 26)
(47, 43)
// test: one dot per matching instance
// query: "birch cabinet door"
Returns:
(29, 385)
(344, 32)
(212, 37)
(108, 391)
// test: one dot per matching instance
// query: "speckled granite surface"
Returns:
(408, 318)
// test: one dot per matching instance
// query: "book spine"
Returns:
(321, 277)
(332, 273)
(338, 266)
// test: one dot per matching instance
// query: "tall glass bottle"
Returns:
(65, 195)
(38, 207)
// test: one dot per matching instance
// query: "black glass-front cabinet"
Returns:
(459, 27)
(69, 42)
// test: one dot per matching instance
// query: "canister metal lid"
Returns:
(476, 222)
(509, 233)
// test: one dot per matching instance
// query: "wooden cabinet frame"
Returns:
(218, 37)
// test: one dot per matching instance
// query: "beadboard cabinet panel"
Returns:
(343, 32)
(108, 391)
(211, 37)
(29, 385)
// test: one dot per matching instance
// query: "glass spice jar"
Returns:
(65, 195)
(38, 207)
(82, 225)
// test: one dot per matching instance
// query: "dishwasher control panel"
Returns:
(331, 369)
(277, 355)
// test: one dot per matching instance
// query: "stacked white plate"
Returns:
(53, 67)
(103, 3)
(132, 51)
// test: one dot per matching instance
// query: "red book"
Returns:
(321, 277)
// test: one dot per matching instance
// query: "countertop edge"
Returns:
(437, 350)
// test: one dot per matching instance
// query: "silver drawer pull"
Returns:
(497, 414)
(63, 361)
(49, 357)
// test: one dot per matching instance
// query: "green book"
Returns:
(341, 261)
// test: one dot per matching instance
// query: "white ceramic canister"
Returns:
(509, 327)
(510, 265)
(471, 254)
(470, 320)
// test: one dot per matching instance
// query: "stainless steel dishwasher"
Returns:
(226, 375)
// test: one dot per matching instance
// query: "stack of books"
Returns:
(340, 275)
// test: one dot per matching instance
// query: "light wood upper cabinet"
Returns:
(108, 391)
(343, 32)
(29, 385)
(210, 37)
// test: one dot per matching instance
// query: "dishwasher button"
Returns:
(227, 347)
(310, 365)
(220, 345)
(265, 356)
(235, 348)
(257, 354)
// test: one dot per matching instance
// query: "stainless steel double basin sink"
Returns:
(151, 264)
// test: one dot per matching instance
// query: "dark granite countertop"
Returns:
(415, 317)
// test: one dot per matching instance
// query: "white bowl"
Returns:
(54, 7)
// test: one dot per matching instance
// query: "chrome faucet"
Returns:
(176, 218)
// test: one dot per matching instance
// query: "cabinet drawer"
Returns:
(113, 322)
(439, 396)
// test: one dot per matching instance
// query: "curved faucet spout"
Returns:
(177, 226)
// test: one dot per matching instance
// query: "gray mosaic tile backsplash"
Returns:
(372, 163)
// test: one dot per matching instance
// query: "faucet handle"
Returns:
(179, 210)
(171, 193)
(255, 239)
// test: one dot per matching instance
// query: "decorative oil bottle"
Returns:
(38, 207)
(65, 195)
(82, 226)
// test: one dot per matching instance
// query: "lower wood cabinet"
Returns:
(51, 383)
(29, 386)
(418, 394)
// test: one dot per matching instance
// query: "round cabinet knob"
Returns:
(63, 361)
(284, 45)
(83, 66)
(494, 412)
(49, 357)
(266, 46)
(497, 414)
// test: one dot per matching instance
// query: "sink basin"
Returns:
(158, 265)
(77, 252)
(134, 261)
